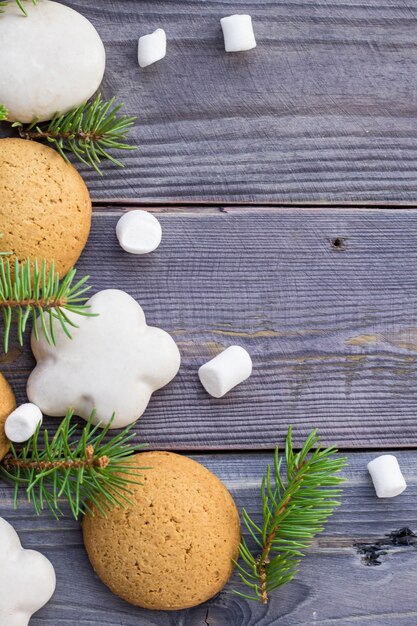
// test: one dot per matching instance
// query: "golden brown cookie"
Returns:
(45, 207)
(7, 405)
(173, 548)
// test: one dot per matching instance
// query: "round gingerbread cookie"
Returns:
(173, 548)
(7, 405)
(45, 207)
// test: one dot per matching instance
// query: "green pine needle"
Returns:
(3, 113)
(294, 511)
(27, 293)
(89, 132)
(82, 468)
(19, 3)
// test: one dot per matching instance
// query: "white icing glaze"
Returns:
(113, 363)
(27, 579)
(50, 62)
(139, 232)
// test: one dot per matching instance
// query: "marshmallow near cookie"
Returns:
(174, 546)
(45, 207)
(7, 405)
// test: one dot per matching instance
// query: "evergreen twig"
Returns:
(89, 132)
(3, 113)
(26, 293)
(293, 513)
(84, 468)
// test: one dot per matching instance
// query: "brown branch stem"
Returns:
(48, 303)
(46, 134)
(90, 461)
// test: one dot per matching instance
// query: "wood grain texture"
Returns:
(325, 302)
(334, 587)
(323, 110)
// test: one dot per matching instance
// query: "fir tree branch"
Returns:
(293, 513)
(89, 132)
(27, 294)
(3, 113)
(84, 468)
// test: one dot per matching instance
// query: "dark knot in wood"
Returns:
(338, 243)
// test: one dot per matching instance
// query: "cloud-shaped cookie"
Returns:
(27, 579)
(113, 363)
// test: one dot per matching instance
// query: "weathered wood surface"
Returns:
(335, 587)
(332, 329)
(323, 110)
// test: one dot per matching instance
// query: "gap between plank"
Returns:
(268, 451)
(102, 209)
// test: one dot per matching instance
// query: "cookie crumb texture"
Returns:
(7, 405)
(45, 207)
(173, 548)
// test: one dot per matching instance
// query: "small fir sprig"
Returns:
(83, 468)
(3, 113)
(89, 132)
(293, 511)
(19, 3)
(28, 292)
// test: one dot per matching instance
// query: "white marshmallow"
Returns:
(228, 369)
(139, 232)
(386, 476)
(238, 33)
(152, 47)
(22, 423)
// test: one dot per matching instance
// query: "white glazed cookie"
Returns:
(51, 62)
(113, 363)
(27, 579)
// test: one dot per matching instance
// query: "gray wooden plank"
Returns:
(332, 329)
(323, 110)
(335, 587)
